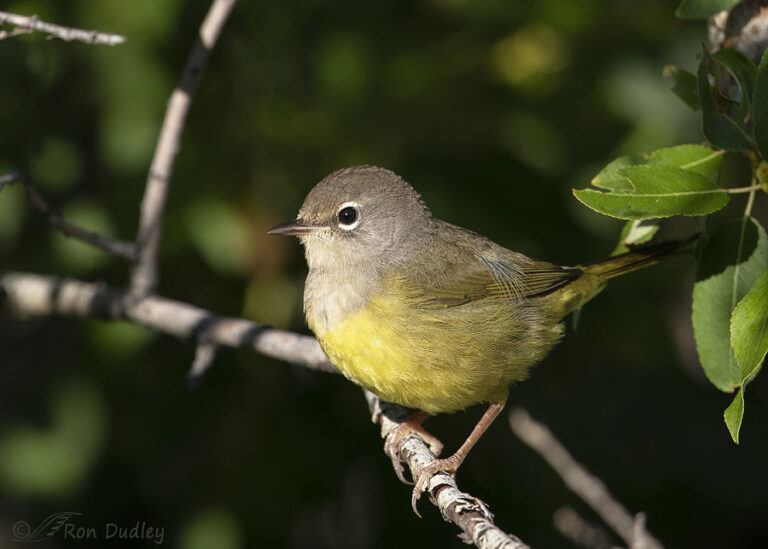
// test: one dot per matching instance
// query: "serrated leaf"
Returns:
(760, 107)
(702, 9)
(734, 415)
(633, 233)
(719, 128)
(749, 327)
(742, 70)
(732, 260)
(683, 85)
(657, 191)
(696, 158)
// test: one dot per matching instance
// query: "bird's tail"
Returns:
(638, 258)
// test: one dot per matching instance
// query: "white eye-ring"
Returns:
(348, 215)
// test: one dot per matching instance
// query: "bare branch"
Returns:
(574, 528)
(25, 24)
(640, 537)
(144, 277)
(584, 484)
(120, 248)
(32, 295)
(465, 511)
(205, 353)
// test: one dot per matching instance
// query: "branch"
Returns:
(465, 511)
(205, 353)
(144, 277)
(744, 28)
(120, 248)
(585, 485)
(32, 295)
(25, 24)
(580, 532)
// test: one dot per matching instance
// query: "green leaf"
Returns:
(734, 415)
(719, 128)
(633, 233)
(760, 107)
(702, 9)
(749, 327)
(683, 85)
(656, 191)
(742, 70)
(732, 260)
(608, 178)
(695, 158)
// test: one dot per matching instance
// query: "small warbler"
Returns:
(427, 314)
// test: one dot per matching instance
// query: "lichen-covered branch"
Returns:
(744, 28)
(28, 295)
(23, 24)
(31, 295)
(470, 514)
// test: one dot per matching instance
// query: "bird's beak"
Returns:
(296, 227)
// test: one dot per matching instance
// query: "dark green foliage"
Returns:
(730, 312)
(701, 9)
(683, 85)
(761, 107)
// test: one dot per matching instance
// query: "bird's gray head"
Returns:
(358, 215)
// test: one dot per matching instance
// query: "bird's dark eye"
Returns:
(348, 215)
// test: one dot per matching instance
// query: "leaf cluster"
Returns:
(730, 296)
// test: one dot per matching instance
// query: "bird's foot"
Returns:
(411, 426)
(448, 465)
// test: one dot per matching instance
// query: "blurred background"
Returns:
(493, 110)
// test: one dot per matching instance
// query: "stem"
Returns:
(739, 190)
(750, 200)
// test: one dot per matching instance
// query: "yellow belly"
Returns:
(436, 360)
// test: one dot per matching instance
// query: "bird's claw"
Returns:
(390, 448)
(424, 475)
(404, 429)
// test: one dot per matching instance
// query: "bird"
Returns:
(427, 314)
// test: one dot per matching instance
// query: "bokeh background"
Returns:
(493, 110)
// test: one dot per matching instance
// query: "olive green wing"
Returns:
(481, 277)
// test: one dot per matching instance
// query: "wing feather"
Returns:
(494, 279)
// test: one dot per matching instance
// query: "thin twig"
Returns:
(584, 484)
(470, 514)
(120, 248)
(32, 295)
(640, 537)
(144, 277)
(205, 353)
(576, 529)
(25, 24)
